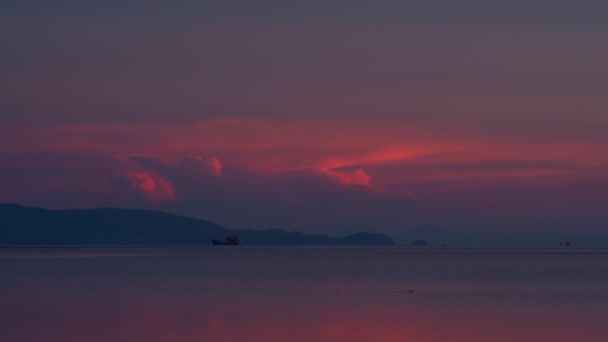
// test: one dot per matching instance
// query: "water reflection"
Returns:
(130, 316)
(59, 300)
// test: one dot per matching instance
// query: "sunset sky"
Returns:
(486, 117)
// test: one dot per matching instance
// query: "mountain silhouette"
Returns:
(20, 225)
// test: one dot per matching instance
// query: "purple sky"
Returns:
(321, 116)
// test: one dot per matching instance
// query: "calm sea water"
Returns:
(242, 293)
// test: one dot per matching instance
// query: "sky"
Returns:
(484, 118)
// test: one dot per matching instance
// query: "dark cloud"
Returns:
(295, 200)
(298, 201)
(150, 162)
(474, 211)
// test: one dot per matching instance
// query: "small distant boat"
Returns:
(230, 241)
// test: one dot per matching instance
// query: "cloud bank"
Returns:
(309, 174)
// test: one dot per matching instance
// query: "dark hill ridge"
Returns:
(21, 225)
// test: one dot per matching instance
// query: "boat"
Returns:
(230, 241)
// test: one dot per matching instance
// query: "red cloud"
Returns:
(330, 147)
(210, 164)
(153, 187)
(214, 165)
(356, 177)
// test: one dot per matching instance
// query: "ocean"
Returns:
(246, 293)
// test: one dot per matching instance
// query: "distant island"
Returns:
(27, 226)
